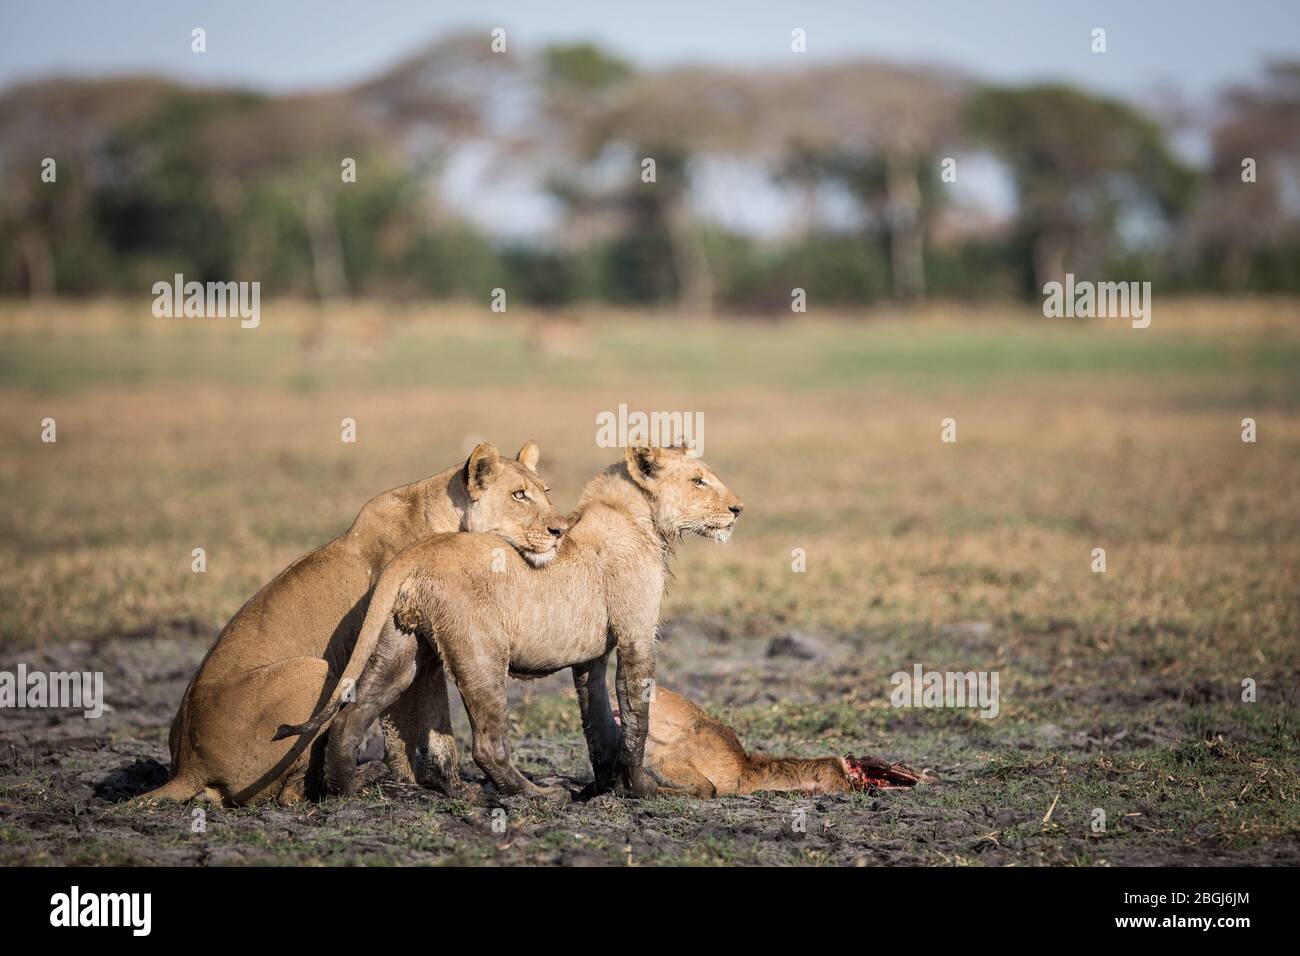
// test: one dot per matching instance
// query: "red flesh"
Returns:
(870, 773)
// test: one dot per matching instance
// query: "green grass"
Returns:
(125, 347)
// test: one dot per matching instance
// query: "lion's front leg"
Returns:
(634, 683)
(603, 739)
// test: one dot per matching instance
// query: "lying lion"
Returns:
(690, 751)
(272, 663)
(485, 620)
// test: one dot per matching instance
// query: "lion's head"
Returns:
(509, 498)
(685, 493)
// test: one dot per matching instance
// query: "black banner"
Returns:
(336, 906)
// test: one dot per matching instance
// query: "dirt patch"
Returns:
(63, 779)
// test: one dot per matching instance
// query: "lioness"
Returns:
(485, 623)
(688, 750)
(274, 659)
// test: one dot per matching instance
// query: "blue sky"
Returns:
(1193, 45)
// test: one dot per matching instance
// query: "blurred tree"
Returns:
(450, 93)
(576, 82)
(1078, 161)
(160, 206)
(448, 89)
(156, 178)
(582, 68)
(877, 129)
(289, 152)
(670, 117)
(1244, 217)
(48, 239)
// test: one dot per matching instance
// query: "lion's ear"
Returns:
(529, 455)
(644, 464)
(482, 468)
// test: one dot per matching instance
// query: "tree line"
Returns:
(109, 185)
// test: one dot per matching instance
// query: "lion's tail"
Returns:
(377, 614)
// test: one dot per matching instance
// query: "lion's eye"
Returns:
(521, 496)
(700, 481)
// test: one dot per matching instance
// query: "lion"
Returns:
(274, 660)
(484, 623)
(689, 751)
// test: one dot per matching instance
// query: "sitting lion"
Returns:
(485, 620)
(273, 662)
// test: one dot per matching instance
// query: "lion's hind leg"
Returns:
(681, 776)
(400, 725)
(440, 759)
(421, 746)
(390, 671)
(483, 689)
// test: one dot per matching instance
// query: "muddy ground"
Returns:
(63, 780)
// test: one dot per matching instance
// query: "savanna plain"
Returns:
(1120, 691)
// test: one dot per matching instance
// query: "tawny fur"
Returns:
(689, 750)
(276, 659)
(602, 591)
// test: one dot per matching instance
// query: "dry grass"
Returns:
(175, 436)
